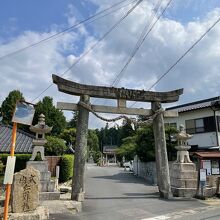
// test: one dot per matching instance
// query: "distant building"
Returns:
(202, 119)
(23, 141)
(110, 153)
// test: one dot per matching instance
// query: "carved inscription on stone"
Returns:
(25, 194)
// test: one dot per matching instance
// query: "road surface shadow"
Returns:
(144, 196)
(125, 177)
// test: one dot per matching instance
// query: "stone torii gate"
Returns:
(121, 95)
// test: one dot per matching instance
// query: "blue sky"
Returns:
(24, 22)
(39, 15)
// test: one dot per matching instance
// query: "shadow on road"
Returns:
(128, 196)
(124, 177)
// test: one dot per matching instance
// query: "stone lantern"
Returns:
(48, 189)
(40, 129)
(183, 171)
(182, 147)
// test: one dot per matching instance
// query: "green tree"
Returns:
(171, 142)
(128, 148)
(53, 116)
(93, 141)
(93, 145)
(55, 146)
(145, 145)
(145, 148)
(69, 135)
(8, 105)
(125, 131)
(72, 123)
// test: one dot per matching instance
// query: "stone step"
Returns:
(184, 192)
(49, 196)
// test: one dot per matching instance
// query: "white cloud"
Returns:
(198, 73)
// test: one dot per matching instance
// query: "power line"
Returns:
(102, 38)
(187, 51)
(141, 39)
(54, 36)
(94, 45)
(140, 42)
(137, 45)
(184, 54)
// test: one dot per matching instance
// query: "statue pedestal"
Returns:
(48, 191)
(183, 179)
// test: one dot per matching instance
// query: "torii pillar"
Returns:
(78, 189)
(162, 165)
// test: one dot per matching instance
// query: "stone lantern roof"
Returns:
(40, 129)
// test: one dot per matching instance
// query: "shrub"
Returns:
(2, 166)
(55, 146)
(20, 163)
(66, 168)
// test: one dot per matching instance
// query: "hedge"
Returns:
(66, 164)
(66, 167)
(20, 163)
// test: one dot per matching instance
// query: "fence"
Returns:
(146, 170)
(53, 161)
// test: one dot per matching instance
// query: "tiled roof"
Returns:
(195, 105)
(110, 148)
(23, 141)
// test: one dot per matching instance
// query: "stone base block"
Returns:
(207, 192)
(49, 196)
(45, 176)
(47, 186)
(184, 166)
(80, 197)
(42, 166)
(183, 183)
(41, 213)
(183, 174)
(183, 192)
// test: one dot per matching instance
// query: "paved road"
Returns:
(113, 194)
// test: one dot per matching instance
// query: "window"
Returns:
(190, 127)
(209, 123)
(218, 120)
(200, 125)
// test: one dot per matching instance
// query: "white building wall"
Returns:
(208, 139)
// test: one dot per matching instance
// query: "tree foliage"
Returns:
(8, 105)
(93, 141)
(128, 148)
(53, 116)
(73, 121)
(145, 148)
(69, 135)
(93, 145)
(171, 141)
(66, 167)
(55, 146)
(142, 143)
(125, 131)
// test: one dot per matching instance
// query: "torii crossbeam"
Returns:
(121, 95)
